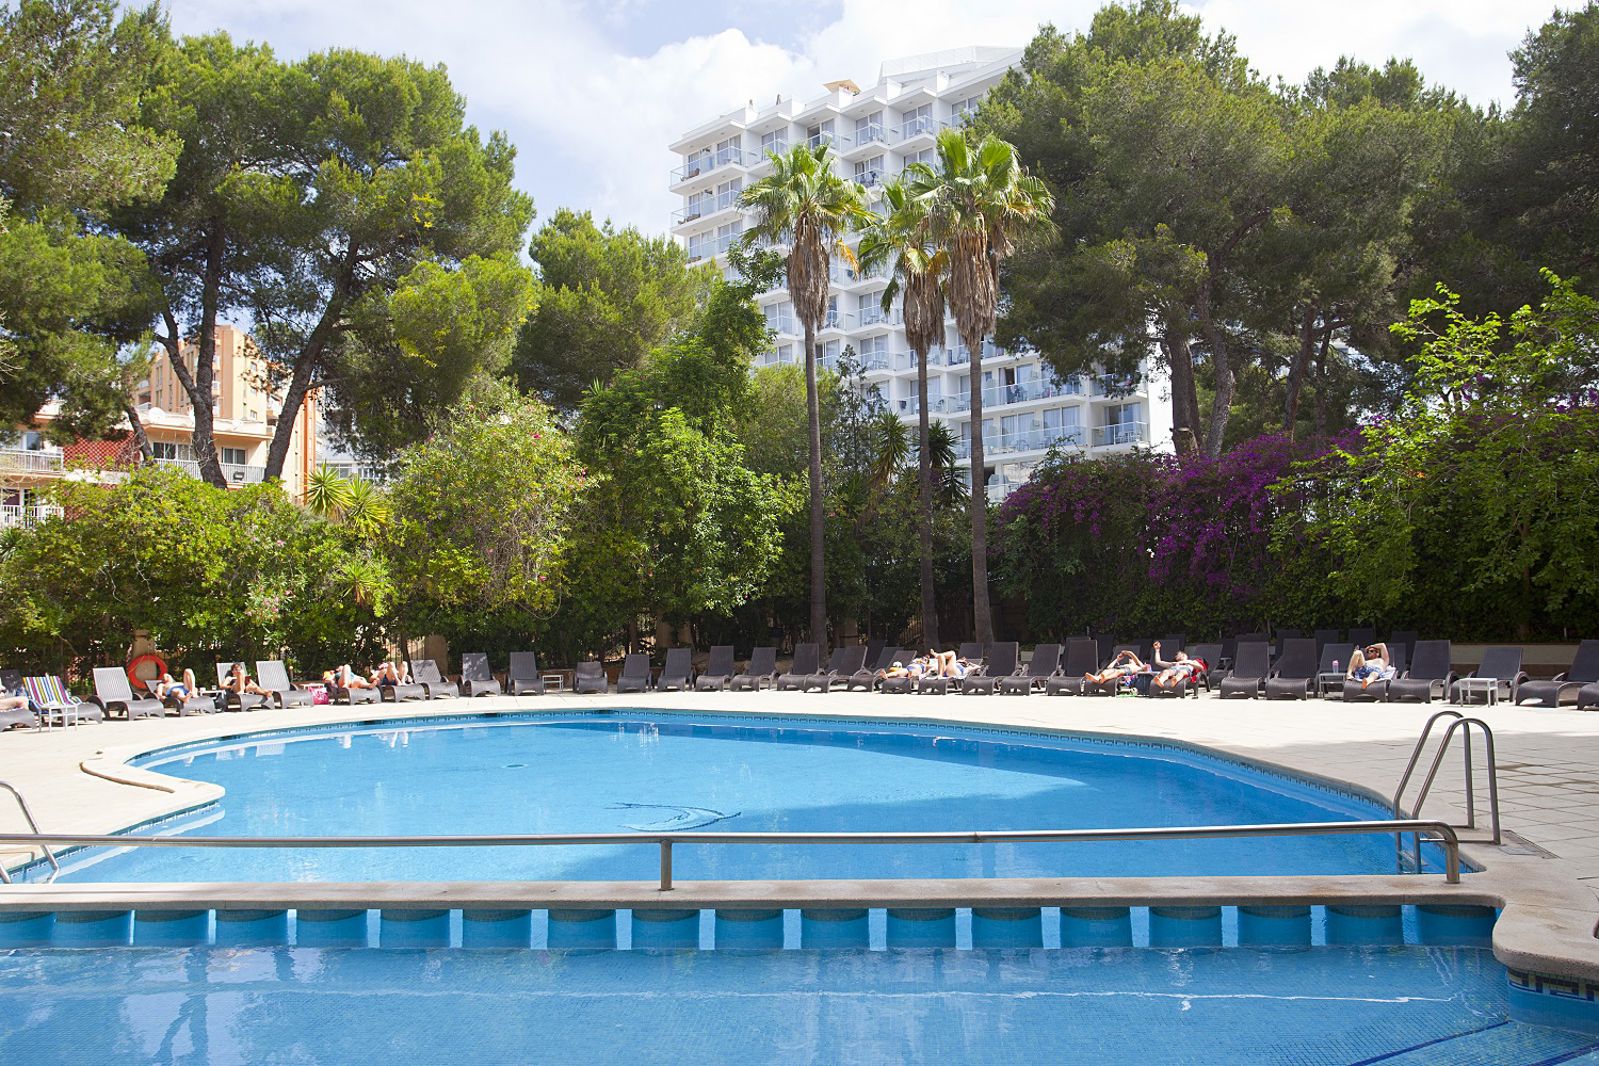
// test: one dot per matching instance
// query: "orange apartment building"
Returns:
(245, 417)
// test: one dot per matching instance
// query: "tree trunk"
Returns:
(1185, 396)
(1321, 384)
(1216, 434)
(203, 442)
(925, 514)
(306, 365)
(140, 437)
(813, 414)
(982, 613)
(1299, 368)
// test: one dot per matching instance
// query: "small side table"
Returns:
(555, 682)
(1329, 682)
(1485, 687)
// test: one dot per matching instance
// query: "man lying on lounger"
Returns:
(239, 681)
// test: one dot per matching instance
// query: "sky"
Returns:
(592, 91)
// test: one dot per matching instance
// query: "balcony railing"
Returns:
(1115, 384)
(1026, 391)
(1121, 433)
(28, 461)
(781, 324)
(26, 516)
(1026, 440)
(707, 248)
(769, 149)
(233, 473)
(362, 471)
(868, 179)
(875, 133)
(707, 163)
(816, 140)
(916, 127)
(705, 205)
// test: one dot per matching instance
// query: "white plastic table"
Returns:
(1486, 687)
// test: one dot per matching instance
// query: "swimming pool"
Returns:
(1399, 1006)
(658, 772)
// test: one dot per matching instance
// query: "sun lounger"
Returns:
(1552, 693)
(1001, 662)
(1430, 675)
(976, 657)
(1294, 676)
(677, 674)
(760, 672)
(426, 672)
(899, 684)
(1199, 679)
(405, 690)
(236, 701)
(476, 677)
(183, 706)
(1502, 663)
(1588, 697)
(1361, 637)
(355, 694)
(635, 675)
(1212, 673)
(805, 664)
(846, 661)
(53, 703)
(590, 677)
(522, 676)
(112, 691)
(1374, 690)
(719, 670)
(11, 684)
(1044, 664)
(866, 677)
(1082, 657)
(272, 675)
(1250, 669)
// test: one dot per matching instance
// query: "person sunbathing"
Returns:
(1174, 673)
(1124, 664)
(346, 678)
(388, 675)
(166, 688)
(949, 664)
(1373, 663)
(239, 681)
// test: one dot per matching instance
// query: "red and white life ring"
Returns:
(136, 678)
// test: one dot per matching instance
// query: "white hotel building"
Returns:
(875, 134)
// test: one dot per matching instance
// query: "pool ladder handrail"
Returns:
(1465, 724)
(55, 865)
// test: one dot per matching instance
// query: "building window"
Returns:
(233, 456)
(162, 449)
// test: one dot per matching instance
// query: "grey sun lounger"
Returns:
(476, 677)
(1294, 676)
(236, 701)
(53, 702)
(426, 672)
(845, 663)
(1250, 669)
(1501, 663)
(1430, 675)
(1588, 696)
(1377, 690)
(11, 683)
(635, 675)
(1082, 657)
(761, 671)
(719, 670)
(1200, 679)
(522, 676)
(272, 675)
(1552, 693)
(409, 690)
(1001, 662)
(183, 706)
(352, 696)
(866, 677)
(112, 691)
(590, 677)
(677, 673)
(805, 664)
(1108, 687)
(1045, 662)
(974, 653)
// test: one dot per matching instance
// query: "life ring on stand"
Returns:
(137, 661)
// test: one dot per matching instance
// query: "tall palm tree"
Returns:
(901, 235)
(804, 204)
(979, 201)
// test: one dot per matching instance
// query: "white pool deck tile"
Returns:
(77, 781)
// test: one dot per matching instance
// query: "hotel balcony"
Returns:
(26, 516)
(1027, 440)
(30, 462)
(1121, 433)
(705, 165)
(704, 208)
(233, 473)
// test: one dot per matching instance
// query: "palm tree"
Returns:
(979, 201)
(902, 235)
(804, 204)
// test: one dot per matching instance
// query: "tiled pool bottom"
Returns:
(1398, 1005)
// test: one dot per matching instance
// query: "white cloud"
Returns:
(592, 123)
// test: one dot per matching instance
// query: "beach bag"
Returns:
(319, 695)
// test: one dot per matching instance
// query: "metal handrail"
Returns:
(1460, 722)
(1443, 831)
(55, 866)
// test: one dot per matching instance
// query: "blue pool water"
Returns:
(622, 773)
(1397, 1006)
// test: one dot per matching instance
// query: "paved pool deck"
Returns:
(77, 779)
